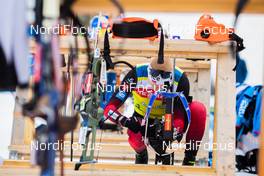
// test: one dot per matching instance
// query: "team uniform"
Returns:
(138, 85)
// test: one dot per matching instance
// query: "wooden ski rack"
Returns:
(201, 54)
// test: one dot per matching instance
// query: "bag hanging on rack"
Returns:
(136, 28)
(209, 30)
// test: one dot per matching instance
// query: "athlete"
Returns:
(140, 83)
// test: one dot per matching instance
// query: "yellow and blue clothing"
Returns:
(140, 88)
(141, 97)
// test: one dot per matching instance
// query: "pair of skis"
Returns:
(49, 87)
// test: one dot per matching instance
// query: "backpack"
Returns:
(248, 109)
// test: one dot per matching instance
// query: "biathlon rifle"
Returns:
(49, 88)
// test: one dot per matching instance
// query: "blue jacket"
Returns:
(247, 95)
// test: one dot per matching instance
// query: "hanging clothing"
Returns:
(14, 65)
(248, 109)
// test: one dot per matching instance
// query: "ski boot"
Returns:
(142, 157)
(165, 159)
(189, 160)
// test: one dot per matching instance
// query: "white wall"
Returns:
(250, 27)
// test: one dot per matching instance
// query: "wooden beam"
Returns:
(224, 118)
(182, 63)
(144, 48)
(18, 128)
(100, 172)
(186, 65)
(172, 48)
(83, 7)
(132, 168)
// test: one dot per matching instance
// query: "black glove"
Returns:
(151, 131)
(131, 123)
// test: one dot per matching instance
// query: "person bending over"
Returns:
(143, 81)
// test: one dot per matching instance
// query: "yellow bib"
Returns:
(141, 103)
(141, 97)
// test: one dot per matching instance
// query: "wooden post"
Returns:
(224, 121)
(28, 130)
(18, 128)
(22, 132)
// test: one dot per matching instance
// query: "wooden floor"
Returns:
(23, 168)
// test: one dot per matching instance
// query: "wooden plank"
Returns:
(22, 132)
(186, 65)
(107, 137)
(184, 45)
(144, 48)
(94, 6)
(70, 172)
(100, 172)
(131, 168)
(28, 130)
(133, 60)
(18, 126)
(224, 122)
(172, 48)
